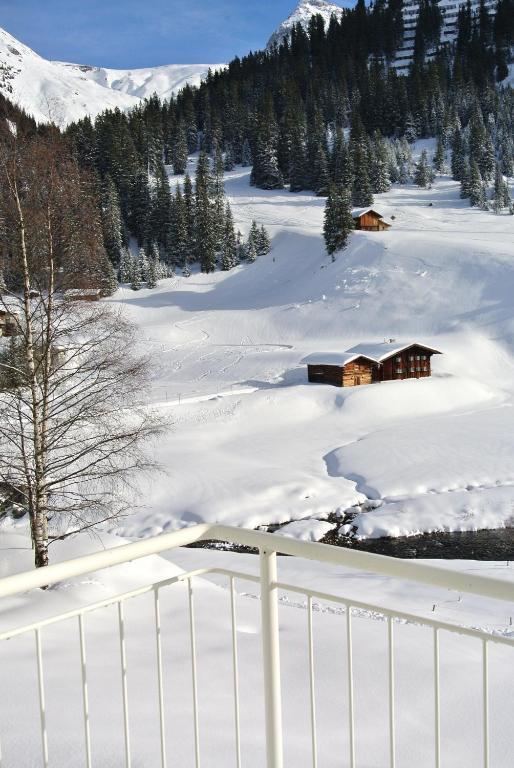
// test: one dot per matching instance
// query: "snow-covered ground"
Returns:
(253, 443)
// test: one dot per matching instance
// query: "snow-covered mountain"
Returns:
(303, 14)
(61, 93)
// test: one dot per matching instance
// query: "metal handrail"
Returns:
(268, 545)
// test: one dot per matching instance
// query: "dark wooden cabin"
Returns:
(371, 364)
(369, 220)
(8, 324)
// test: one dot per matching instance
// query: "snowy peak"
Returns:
(53, 91)
(305, 10)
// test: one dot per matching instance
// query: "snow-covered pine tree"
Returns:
(263, 242)
(229, 161)
(240, 247)
(179, 151)
(266, 172)
(143, 264)
(125, 266)
(477, 193)
(229, 246)
(152, 273)
(251, 252)
(439, 157)
(206, 225)
(112, 222)
(423, 175)
(135, 278)
(501, 193)
(362, 192)
(338, 220)
(458, 157)
(246, 154)
(253, 239)
(379, 170)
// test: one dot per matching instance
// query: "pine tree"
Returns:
(379, 170)
(179, 153)
(112, 222)
(229, 162)
(266, 172)
(439, 157)
(136, 278)
(246, 155)
(477, 195)
(458, 157)
(501, 193)
(229, 247)
(251, 252)
(206, 228)
(263, 242)
(143, 264)
(362, 193)
(152, 273)
(424, 175)
(125, 267)
(338, 220)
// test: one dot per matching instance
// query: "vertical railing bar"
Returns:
(42, 705)
(124, 685)
(437, 699)
(160, 676)
(392, 731)
(271, 659)
(351, 721)
(194, 672)
(312, 685)
(485, 666)
(85, 696)
(235, 671)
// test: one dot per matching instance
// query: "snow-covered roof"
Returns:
(357, 212)
(376, 352)
(77, 292)
(382, 351)
(331, 358)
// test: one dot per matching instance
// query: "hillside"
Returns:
(62, 93)
(253, 444)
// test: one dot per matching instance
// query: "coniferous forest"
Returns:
(323, 112)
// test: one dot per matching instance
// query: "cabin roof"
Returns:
(375, 352)
(383, 351)
(358, 212)
(333, 358)
(82, 292)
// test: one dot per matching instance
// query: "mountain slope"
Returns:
(302, 14)
(61, 93)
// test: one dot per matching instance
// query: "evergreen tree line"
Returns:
(322, 108)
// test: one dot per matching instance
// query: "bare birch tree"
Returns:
(73, 429)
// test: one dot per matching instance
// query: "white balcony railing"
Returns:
(270, 587)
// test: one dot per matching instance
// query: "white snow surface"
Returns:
(302, 14)
(252, 443)
(61, 93)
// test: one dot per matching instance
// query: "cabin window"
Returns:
(423, 357)
(398, 359)
(399, 371)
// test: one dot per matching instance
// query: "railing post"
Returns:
(271, 659)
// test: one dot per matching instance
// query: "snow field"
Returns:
(253, 444)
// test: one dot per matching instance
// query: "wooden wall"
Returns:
(370, 222)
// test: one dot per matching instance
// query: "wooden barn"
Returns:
(371, 364)
(8, 324)
(369, 220)
(83, 294)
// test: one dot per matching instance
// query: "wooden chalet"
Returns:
(83, 294)
(371, 364)
(369, 220)
(8, 325)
